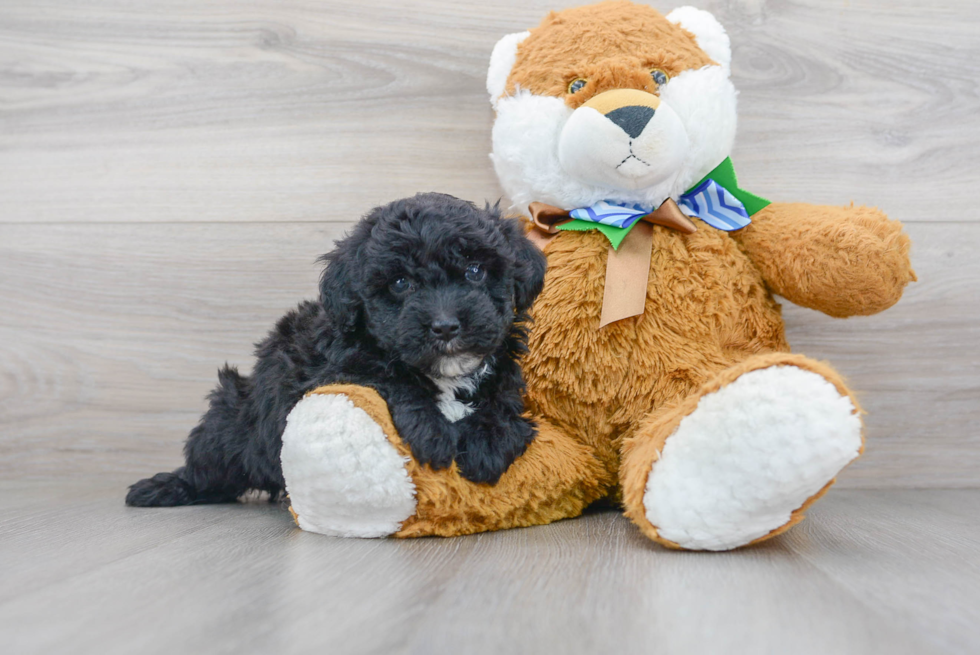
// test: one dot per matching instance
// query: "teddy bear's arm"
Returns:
(843, 261)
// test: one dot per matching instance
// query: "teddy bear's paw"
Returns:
(750, 454)
(343, 476)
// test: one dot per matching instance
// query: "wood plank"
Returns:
(170, 171)
(891, 572)
(595, 585)
(303, 111)
(110, 336)
(92, 531)
(916, 367)
(907, 555)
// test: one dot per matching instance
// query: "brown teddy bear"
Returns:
(658, 371)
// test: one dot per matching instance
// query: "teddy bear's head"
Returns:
(612, 101)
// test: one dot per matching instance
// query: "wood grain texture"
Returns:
(111, 336)
(870, 572)
(169, 172)
(286, 110)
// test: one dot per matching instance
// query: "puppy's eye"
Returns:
(576, 85)
(659, 76)
(475, 273)
(401, 286)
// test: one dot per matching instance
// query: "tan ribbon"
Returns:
(627, 274)
(548, 217)
(627, 269)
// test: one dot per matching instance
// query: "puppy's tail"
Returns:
(173, 489)
(162, 490)
(213, 471)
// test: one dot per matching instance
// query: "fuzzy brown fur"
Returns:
(643, 448)
(809, 253)
(709, 317)
(606, 400)
(555, 478)
(613, 45)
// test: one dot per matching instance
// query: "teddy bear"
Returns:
(658, 372)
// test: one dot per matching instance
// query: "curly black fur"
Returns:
(397, 311)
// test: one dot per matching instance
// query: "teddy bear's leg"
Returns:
(741, 459)
(348, 474)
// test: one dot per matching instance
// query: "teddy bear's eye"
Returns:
(401, 286)
(475, 273)
(576, 84)
(659, 76)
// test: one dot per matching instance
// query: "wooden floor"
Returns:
(869, 572)
(169, 172)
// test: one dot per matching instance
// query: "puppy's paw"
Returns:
(487, 451)
(343, 476)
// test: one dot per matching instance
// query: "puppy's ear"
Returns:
(337, 286)
(530, 264)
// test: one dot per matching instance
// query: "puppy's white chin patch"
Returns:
(454, 366)
(452, 408)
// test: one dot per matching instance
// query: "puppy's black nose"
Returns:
(632, 118)
(445, 328)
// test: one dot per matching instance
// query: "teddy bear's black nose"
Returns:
(632, 118)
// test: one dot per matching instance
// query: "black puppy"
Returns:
(425, 301)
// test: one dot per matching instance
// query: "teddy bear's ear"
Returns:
(707, 30)
(501, 61)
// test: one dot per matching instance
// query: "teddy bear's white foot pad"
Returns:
(344, 478)
(750, 454)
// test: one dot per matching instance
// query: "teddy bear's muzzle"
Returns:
(630, 109)
(623, 138)
(616, 100)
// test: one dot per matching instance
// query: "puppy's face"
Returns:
(435, 281)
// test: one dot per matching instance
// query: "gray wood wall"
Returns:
(169, 171)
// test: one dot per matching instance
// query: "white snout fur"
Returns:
(594, 150)
(530, 130)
